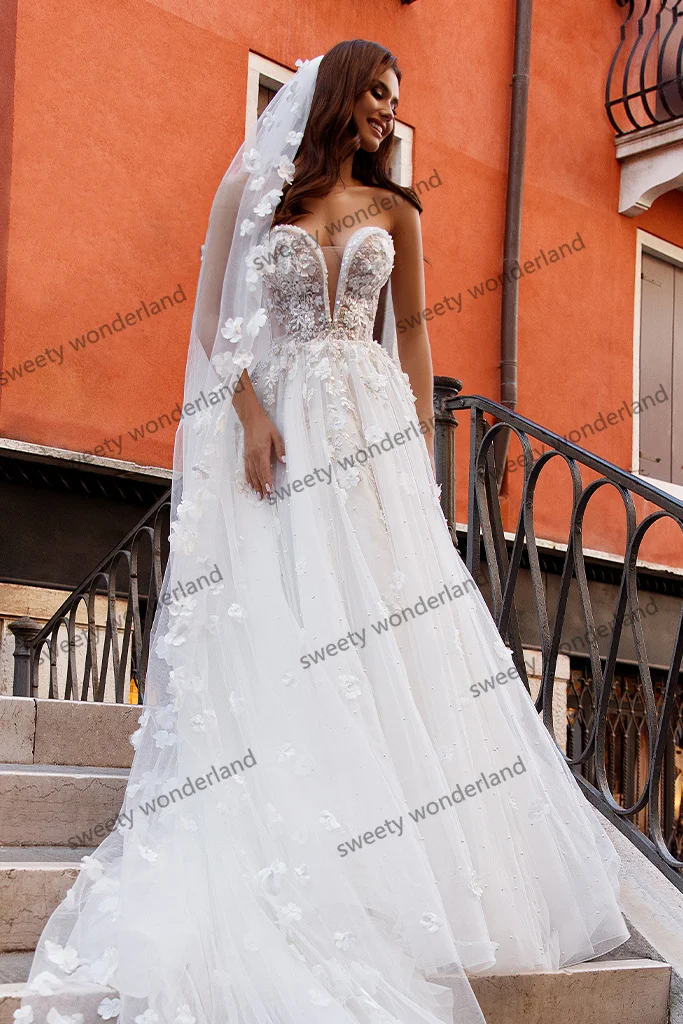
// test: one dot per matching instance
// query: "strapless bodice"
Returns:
(296, 285)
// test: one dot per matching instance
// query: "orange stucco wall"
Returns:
(126, 116)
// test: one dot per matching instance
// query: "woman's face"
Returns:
(375, 110)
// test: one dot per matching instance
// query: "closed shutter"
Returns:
(661, 371)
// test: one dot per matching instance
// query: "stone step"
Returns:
(33, 882)
(72, 806)
(68, 732)
(604, 992)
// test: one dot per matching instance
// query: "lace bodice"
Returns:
(296, 292)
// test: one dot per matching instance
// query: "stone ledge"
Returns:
(66, 732)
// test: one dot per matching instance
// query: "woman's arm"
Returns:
(408, 294)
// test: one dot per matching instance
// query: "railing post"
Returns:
(24, 630)
(446, 390)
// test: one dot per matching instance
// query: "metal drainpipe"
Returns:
(513, 225)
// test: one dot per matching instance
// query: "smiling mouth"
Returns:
(377, 128)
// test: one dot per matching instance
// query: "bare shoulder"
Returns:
(406, 230)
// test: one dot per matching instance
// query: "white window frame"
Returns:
(263, 71)
(645, 242)
(260, 68)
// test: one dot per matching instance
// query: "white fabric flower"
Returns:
(247, 227)
(294, 138)
(350, 686)
(148, 1017)
(251, 160)
(24, 1015)
(46, 984)
(328, 819)
(291, 912)
(109, 1008)
(222, 364)
(286, 168)
(232, 329)
(65, 957)
(92, 867)
(163, 738)
(286, 752)
(184, 1015)
(55, 1017)
(242, 360)
(101, 971)
(236, 611)
(270, 877)
(344, 940)
(148, 854)
(348, 477)
(257, 183)
(431, 922)
(475, 884)
(256, 323)
(302, 873)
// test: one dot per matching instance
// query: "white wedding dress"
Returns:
(381, 803)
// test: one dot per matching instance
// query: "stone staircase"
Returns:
(63, 770)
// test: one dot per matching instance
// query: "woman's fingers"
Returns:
(278, 446)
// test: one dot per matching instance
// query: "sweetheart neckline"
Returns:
(331, 312)
(321, 248)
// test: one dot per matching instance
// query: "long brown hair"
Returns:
(331, 134)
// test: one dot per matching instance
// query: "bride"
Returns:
(342, 802)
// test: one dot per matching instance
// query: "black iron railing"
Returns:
(645, 79)
(621, 731)
(96, 646)
(621, 735)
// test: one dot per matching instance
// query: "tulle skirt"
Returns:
(342, 800)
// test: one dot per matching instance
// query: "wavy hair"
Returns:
(331, 134)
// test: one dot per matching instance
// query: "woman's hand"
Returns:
(261, 440)
(261, 437)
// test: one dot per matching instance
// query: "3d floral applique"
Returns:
(108, 1009)
(286, 752)
(291, 911)
(46, 984)
(148, 1017)
(431, 922)
(64, 957)
(251, 160)
(302, 873)
(92, 867)
(236, 611)
(328, 819)
(232, 329)
(24, 1015)
(55, 1017)
(539, 809)
(475, 884)
(294, 138)
(344, 940)
(184, 1015)
(204, 721)
(148, 854)
(286, 168)
(350, 686)
(270, 878)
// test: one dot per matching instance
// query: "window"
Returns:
(659, 378)
(265, 77)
